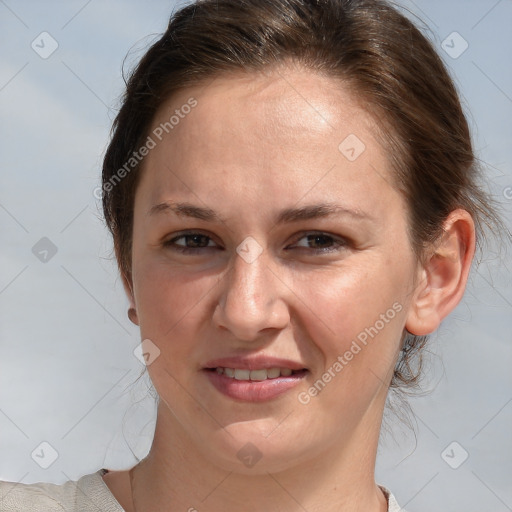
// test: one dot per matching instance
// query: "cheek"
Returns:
(356, 322)
(170, 306)
(169, 300)
(346, 301)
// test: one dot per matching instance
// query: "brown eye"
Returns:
(194, 241)
(320, 242)
(190, 242)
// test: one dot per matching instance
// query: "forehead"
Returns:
(286, 102)
(284, 129)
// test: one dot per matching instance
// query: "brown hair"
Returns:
(368, 44)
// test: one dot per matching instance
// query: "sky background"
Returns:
(68, 375)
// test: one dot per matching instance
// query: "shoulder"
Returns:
(29, 497)
(393, 505)
(87, 493)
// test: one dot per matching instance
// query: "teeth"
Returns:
(242, 374)
(272, 373)
(258, 375)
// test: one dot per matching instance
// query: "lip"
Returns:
(254, 363)
(254, 391)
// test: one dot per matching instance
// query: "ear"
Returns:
(128, 288)
(444, 275)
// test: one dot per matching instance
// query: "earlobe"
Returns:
(444, 275)
(132, 315)
(128, 288)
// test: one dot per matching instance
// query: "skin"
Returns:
(253, 146)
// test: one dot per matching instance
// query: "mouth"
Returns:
(255, 384)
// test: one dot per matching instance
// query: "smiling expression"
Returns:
(261, 250)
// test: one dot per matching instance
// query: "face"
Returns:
(271, 267)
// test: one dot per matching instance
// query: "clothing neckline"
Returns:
(106, 493)
(393, 505)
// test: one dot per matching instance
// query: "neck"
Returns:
(176, 476)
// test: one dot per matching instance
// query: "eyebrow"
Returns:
(287, 215)
(185, 210)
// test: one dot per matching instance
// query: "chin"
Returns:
(243, 449)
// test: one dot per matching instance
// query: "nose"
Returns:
(252, 300)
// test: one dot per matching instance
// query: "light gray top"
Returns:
(88, 494)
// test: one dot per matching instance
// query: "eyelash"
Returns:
(340, 243)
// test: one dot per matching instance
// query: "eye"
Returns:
(190, 242)
(317, 242)
(320, 242)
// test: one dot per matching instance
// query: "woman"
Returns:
(292, 195)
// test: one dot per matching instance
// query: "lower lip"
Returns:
(254, 390)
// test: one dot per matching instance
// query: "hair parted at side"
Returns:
(369, 45)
